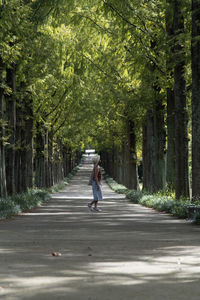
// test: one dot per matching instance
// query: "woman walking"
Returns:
(96, 178)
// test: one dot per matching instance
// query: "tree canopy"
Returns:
(89, 68)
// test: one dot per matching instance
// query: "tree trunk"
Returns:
(50, 158)
(19, 169)
(120, 163)
(181, 118)
(195, 100)
(133, 170)
(3, 188)
(39, 158)
(28, 141)
(130, 158)
(171, 157)
(11, 119)
(171, 162)
(24, 144)
(46, 159)
(154, 138)
(145, 159)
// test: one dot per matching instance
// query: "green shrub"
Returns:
(21, 202)
(134, 195)
(8, 208)
(57, 187)
(197, 219)
(164, 203)
(118, 188)
(30, 199)
(180, 209)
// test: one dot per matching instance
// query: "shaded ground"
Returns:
(125, 252)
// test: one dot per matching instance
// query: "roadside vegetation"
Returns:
(22, 202)
(163, 202)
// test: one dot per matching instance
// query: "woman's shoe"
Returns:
(90, 206)
(96, 209)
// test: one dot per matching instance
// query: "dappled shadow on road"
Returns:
(124, 252)
(124, 249)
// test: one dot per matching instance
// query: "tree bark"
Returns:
(130, 158)
(11, 119)
(154, 139)
(181, 118)
(195, 100)
(19, 169)
(51, 158)
(29, 143)
(46, 158)
(3, 188)
(171, 157)
(24, 143)
(39, 158)
(145, 158)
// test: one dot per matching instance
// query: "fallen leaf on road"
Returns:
(56, 254)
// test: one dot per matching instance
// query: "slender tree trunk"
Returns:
(149, 177)
(133, 170)
(69, 160)
(46, 158)
(181, 118)
(171, 156)
(124, 162)
(22, 170)
(118, 165)
(120, 162)
(19, 154)
(29, 141)
(50, 158)
(145, 158)
(62, 160)
(39, 158)
(66, 161)
(110, 161)
(3, 188)
(130, 158)
(195, 100)
(11, 118)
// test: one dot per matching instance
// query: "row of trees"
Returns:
(163, 33)
(33, 87)
(122, 76)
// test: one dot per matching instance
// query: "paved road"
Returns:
(125, 252)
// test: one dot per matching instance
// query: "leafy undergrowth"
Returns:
(161, 202)
(21, 202)
(118, 188)
(18, 203)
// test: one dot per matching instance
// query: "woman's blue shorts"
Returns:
(97, 194)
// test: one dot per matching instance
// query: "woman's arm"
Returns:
(96, 171)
